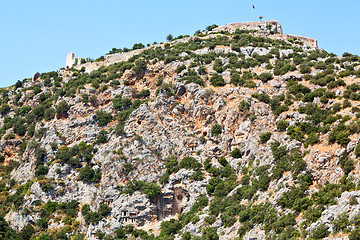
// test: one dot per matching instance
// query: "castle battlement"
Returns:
(264, 26)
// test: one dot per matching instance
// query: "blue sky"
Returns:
(37, 35)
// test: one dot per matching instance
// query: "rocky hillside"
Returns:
(238, 132)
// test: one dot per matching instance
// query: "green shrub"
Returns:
(69, 208)
(201, 70)
(190, 163)
(250, 84)
(327, 194)
(346, 103)
(236, 153)
(9, 136)
(170, 228)
(4, 109)
(74, 163)
(114, 83)
(217, 80)
(180, 69)
(213, 183)
(186, 236)
(295, 133)
(103, 118)
(22, 111)
(244, 106)
(49, 114)
(265, 76)
(341, 223)
(99, 234)
(63, 154)
(355, 234)
(120, 103)
(151, 190)
(169, 37)
(37, 89)
(312, 139)
(62, 110)
(353, 201)
(140, 67)
(41, 170)
(145, 93)
(202, 140)
(282, 125)
(90, 216)
(172, 164)
(263, 97)
(218, 65)
(85, 209)
(47, 187)
(104, 210)
(211, 27)
(40, 154)
(27, 232)
(347, 164)
(93, 100)
(42, 223)
(227, 219)
(320, 232)
(216, 129)
(290, 199)
(236, 79)
(102, 137)
(340, 135)
(120, 233)
(209, 233)
(357, 150)
(191, 76)
(19, 126)
(88, 175)
(282, 67)
(264, 137)
(54, 145)
(305, 68)
(85, 97)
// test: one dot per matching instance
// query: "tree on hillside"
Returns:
(169, 37)
(140, 67)
(62, 110)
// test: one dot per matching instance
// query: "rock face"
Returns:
(18, 221)
(221, 135)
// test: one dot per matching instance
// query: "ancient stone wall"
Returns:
(310, 41)
(118, 57)
(266, 26)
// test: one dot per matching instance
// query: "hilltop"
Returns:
(240, 131)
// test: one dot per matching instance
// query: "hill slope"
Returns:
(238, 131)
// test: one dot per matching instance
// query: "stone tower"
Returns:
(70, 60)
